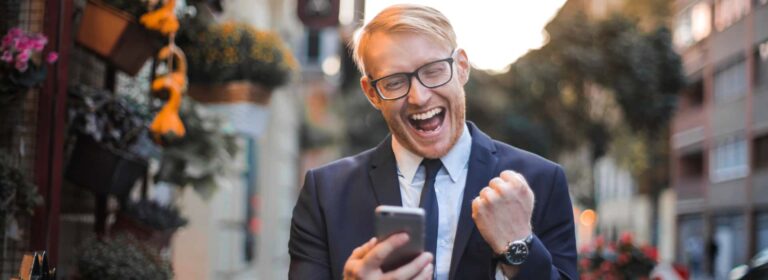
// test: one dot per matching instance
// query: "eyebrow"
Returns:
(453, 52)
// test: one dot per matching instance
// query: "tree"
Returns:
(596, 83)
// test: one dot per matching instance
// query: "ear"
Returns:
(462, 66)
(370, 92)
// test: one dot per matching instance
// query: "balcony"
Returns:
(688, 118)
(690, 188)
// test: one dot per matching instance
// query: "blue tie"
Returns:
(429, 203)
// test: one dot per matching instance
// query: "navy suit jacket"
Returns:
(334, 213)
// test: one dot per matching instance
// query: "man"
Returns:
(482, 219)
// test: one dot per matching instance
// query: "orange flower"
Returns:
(162, 20)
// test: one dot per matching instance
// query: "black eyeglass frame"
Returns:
(410, 76)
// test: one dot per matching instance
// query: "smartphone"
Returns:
(396, 219)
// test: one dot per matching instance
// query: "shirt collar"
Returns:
(454, 161)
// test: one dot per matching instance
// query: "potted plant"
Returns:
(234, 62)
(205, 157)
(118, 258)
(109, 131)
(110, 29)
(619, 260)
(20, 65)
(150, 222)
(18, 196)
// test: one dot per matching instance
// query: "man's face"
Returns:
(427, 121)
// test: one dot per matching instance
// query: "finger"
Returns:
(490, 195)
(509, 176)
(359, 252)
(475, 206)
(426, 273)
(498, 184)
(522, 179)
(378, 253)
(412, 269)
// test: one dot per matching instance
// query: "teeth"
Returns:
(427, 114)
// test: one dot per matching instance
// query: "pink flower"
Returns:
(23, 56)
(7, 40)
(7, 57)
(15, 32)
(38, 42)
(21, 66)
(52, 57)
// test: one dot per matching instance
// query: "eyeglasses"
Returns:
(430, 75)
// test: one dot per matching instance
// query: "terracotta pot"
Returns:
(232, 92)
(116, 37)
(102, 170)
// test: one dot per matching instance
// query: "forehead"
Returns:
(388, 53)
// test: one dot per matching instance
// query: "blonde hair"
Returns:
(406, 18)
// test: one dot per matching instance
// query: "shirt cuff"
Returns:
(500, 273)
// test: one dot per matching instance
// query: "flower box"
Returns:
(103, 170)
(231, 92)
(117, 37)
(157, 239)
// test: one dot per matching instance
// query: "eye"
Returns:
(434, 70)
(393, 83)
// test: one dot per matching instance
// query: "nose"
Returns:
(418, 94)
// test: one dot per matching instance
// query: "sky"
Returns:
(493, 32)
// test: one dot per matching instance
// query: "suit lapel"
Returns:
(482, 165)
(383, 172)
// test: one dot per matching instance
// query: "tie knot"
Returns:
(432, 166)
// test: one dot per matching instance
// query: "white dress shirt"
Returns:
(449, 189)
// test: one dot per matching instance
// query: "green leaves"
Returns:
(592, 77)
(205, 157)
(18, 195)
(121, 258)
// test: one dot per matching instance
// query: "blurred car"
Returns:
(757, 269)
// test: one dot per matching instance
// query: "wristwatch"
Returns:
(517, 251)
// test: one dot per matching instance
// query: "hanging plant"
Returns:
(18, 195)
(205, 157)
(20, 66)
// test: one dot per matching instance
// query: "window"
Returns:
(761, 228)
(761, 64)
(761, 152)
(692, 165)
(728, 237)
(731, 82)
(729, 160)
(728, 12)
(690, 245)
(693, 24)
(693, 96)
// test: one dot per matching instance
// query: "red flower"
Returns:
(599, 241)
(623, 258)
(651, 252)
(584, 263)
(626, 238)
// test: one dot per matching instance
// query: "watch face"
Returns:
(517, 253)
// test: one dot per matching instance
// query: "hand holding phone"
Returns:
(397, 252)
(395, 219)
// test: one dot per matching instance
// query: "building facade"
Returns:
(720, 134)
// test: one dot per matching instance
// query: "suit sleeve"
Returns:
(553, 250)
(308, 245)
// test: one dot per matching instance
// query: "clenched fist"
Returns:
(502, 211)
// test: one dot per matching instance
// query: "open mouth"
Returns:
(428, 121)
